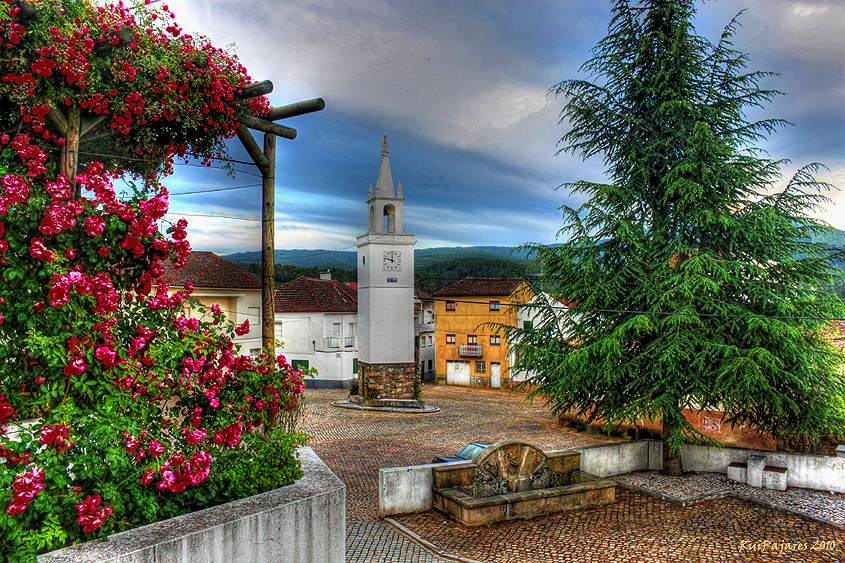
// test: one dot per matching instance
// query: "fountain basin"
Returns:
(515, 480)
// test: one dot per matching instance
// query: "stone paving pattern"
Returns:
(376, 542)
(822, 506)
(638, 528)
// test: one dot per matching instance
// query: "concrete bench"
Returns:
(738, 472)
(775, 478)
(756, 473)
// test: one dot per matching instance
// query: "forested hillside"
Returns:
(434, 268)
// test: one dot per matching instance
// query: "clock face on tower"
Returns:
(392, 260)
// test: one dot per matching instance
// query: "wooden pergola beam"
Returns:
(125, 35)
(253, 150)
(256, 89)
(88, 124)
(27, 10)
(58, 119)
(267, 126)
(292, 110)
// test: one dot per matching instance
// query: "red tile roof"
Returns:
(309, 295)
(480, 286)
(422, 295)
(206, 269)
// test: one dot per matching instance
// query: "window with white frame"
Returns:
(254, 352)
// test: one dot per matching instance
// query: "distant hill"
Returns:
(348, 259)
(835, 238)
(434, 268)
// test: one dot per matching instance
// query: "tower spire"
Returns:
(384, 184)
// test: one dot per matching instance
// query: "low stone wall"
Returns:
(302, 523)
(807, 471)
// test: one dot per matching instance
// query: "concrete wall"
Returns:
(807, 471)
(302, 523)
(402, 490)
(614, 459)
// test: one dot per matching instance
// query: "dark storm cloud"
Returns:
(461, 90)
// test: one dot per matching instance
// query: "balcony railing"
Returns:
(349, 342)
(333, 342)
(471, 350)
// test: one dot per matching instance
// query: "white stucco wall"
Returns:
(312, 337)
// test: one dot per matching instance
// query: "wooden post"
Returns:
(268, 248)
(70, 152)
(266, 163)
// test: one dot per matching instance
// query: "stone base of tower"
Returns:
(387, 385)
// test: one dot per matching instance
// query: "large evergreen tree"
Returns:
(692, 285)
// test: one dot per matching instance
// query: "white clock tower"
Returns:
(386, 368)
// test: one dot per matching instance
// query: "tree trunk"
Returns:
(671, 460)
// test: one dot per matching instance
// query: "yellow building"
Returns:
(468, 352)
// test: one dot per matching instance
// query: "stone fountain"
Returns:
(515, 480)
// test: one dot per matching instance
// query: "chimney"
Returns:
(327, 275)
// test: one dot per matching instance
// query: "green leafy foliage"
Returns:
(688, 283)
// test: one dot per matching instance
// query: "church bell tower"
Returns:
(386, 368)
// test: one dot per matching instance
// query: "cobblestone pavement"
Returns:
(355, 444)
(642, 528)
(376, 542)
(825, 507)
(637, 528)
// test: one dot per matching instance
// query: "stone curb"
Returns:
(355, 406)
(427, 545)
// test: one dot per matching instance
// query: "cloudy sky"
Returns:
(461, 90)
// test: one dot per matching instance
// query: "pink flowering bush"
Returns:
(138, 412)
(163, 94)
(116, 409)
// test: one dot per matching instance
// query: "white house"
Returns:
(316, 323)
(425, 335)
(218, 282)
